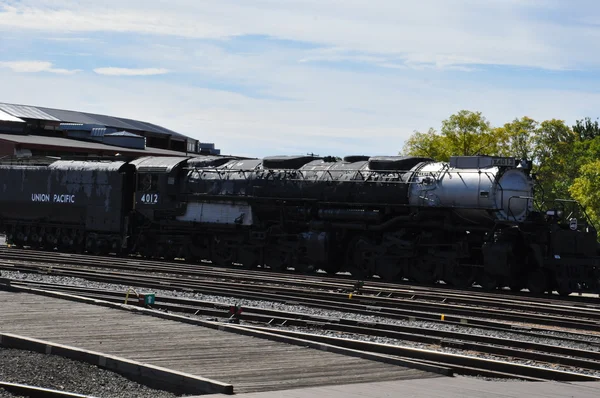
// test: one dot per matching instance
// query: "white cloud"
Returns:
(337, 113)
(112, 71)
(70, 39)
(36, 67)
(346, 107)
(437, 32)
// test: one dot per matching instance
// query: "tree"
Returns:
(555, 160)
(464, 133)
(566, 161)
(468, 133)
(586, 189)
(517, 138)
(586, 129)
(428, 144)
(553, 138)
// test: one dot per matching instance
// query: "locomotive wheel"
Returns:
(516, 286)
(331, 269)
(487, 281)
(359, 258)
(563, 287)
(276, 259)
(422, 270)
(565, 279)
(248, 258)
(220, 252)
(389, 271)
(460, 276)
(517, 281)
(537, 282)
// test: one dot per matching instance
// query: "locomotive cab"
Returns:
(157, 186)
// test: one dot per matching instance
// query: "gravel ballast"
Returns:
(589, 343)
(63, 374)
(6, 394)
(448, 350)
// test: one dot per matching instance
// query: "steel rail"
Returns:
(352, 308)
(439, 293)
(38, 392)
(463, 364)
(398, 306)
(562, 310)
(485, 344)
(458, 362)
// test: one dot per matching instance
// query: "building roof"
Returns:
(6, 117)
(83, 146)
(66, 116)
(27, 112)
(122, 134)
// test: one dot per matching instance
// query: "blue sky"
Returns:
(333, 77)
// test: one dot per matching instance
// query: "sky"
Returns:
(330, 77)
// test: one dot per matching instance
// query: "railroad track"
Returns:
(529, 317)
(371, 286)
(23, 390)
(509, 354)
(476, 312)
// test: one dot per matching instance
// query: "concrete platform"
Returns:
(445, 387)
(248, 363)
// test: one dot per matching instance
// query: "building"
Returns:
(38, 131)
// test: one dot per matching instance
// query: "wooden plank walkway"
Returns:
(248, 363)
(447, 387)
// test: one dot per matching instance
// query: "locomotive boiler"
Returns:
(473, 219)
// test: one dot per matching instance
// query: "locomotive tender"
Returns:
(470, 220)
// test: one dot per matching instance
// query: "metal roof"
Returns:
(80, 165)
(209, 161)
(27, 112)
(69, 116)
(98, 132)
(6, 117)
(80, 126)
(66, 116)
(122, 134)
(161, 164)
(67, 143)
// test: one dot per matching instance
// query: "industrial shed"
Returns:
(39, 131)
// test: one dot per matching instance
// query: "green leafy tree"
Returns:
(468, 133)
(586, 189)
(586, 129)
(429, 144)
(566, 160)
(553, 139)
(465, 133)
(555, 160)
(517, 138)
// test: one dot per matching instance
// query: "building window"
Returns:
(191, 146)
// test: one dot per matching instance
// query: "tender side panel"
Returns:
(73, 193)
(96, 186)
(35, 194)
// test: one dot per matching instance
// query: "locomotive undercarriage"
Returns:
(64, 237)
(421, 249)
(425, 249)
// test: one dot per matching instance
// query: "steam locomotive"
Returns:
(471, 220)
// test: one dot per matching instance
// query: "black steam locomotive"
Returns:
(470, 220)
